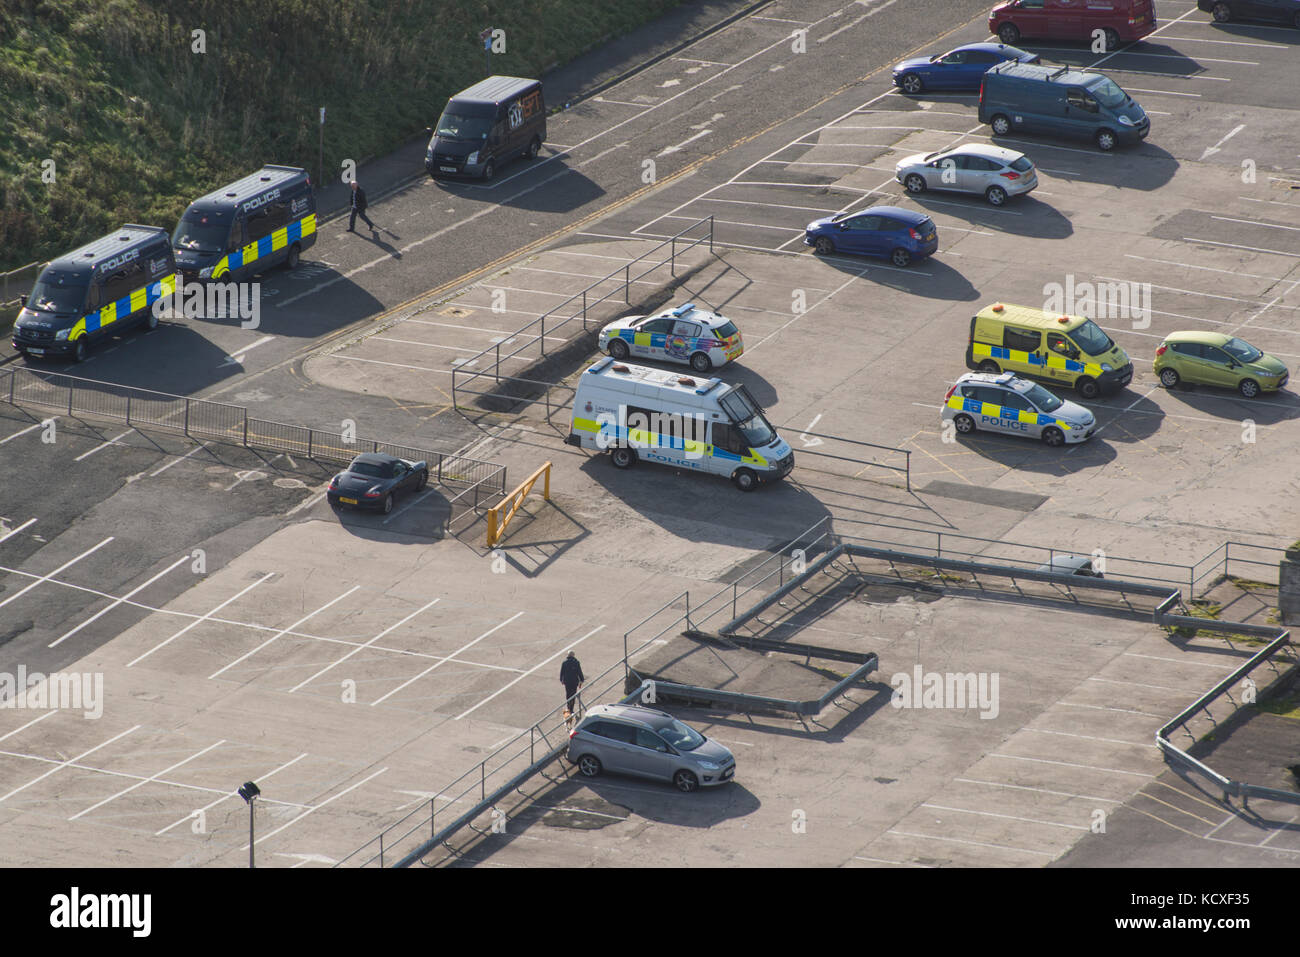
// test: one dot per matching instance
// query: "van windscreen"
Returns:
(1091, 339)
(58, 292)
(458, 126)
(202, 233)
(1108, 93)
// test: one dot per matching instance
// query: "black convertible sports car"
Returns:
(373, 479)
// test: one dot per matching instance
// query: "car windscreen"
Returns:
(1091, 339)
(1241, 350)
(1021, 164)
(726, 330)
(201, 233)
(1042, 399)
(370, 469)
(680, 736)
(1109, 94)
(50, 294)
(458, 126)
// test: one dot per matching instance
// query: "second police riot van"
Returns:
(705, 425)
(248, 227)
(685, 334)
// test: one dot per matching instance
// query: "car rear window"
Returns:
(926, 228)
(726, 330)
(1022, 165)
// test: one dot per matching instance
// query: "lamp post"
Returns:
(249, 793)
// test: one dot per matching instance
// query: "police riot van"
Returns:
(706, 425)
(102, 288)
(248, 227)
(684, 334)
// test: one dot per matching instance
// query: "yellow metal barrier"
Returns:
(497, 525)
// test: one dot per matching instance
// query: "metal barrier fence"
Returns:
(204, 419)
(828, 461)
(570, 310)
(16, 282)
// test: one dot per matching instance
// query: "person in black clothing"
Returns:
(359, 207)
(571, 677)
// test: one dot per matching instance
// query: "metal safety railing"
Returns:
(857, 466)
(16, 282)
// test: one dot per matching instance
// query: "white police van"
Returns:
(635, 412)
(684, 334)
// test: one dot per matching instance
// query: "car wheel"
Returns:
(422, 481)
(701, 363)
(824, 245)
(1053, 436)
(1087, 388)
(1111, 36)
(1001, 125)
(291, 260)
(534, 148)
(745, 480)
(989, 367)
(900, 257)
(686, 782)
(618, 349)
(1249, 388)
(914, 183)
(912, 84)
(1222, 13)
(622, 457)
(1168, 378)
(388, 503)
(1008, 33)
(79, 350)
(489, 169)
(996, 195)
(589, 765)
(1105, 140)
(964, 424)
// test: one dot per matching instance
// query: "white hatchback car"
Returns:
(992, 171)
(1014, 406)
(684, 334)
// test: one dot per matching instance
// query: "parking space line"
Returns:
(282, 631)
(45, 578)
(1067, 764)
(103, 445)
(732, 222)
(175, 461)
(1211, 295)
(1179, 56)
(1181, 661)
(530, 671)
(1025, 787)
(1253, 249)
(1138, 89)
(69, 761)
(48, 714)
(14, 531)
(1279, 830)
(390, 628)
(230, 794)
(881, 860)
(1009, 817)
(30, 428)
(443, 661)
(1255, 222)
(396, 365)
(147, 780)
(316, 807)
(1191, 797)
(957, 840)
(427, 345)
(1098, 707)
(200, 619)
(131, 594)
(1091, 737)
(1232, 43)
(745, 202)
(1172, 807)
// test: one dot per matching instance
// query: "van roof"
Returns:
(1043, 73)
(87, 257)
(496, 88)
(254, 184)
(1029, 316)
(643, 380)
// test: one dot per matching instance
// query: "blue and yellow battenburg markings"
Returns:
(643, 438)
(981, 350)
(975, 407)
(121, 308)
(282, 237)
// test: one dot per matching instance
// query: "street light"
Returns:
(249, 793)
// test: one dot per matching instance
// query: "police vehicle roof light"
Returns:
(708, 386)
(600, 366)
(683, 310)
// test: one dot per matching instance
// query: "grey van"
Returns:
(1031, 98)
(630, 739)
(486, 126)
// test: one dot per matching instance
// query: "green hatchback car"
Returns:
(1211, 358)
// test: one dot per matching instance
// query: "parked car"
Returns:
(1212, 358)
(899, 235)
(959, 69)
(372, 480)
(993, 172)
(631, 739)
(1058, 101)
(1011, 405)
(1120, 21)
(687, 334)
(1275, 11)
(1072, 565)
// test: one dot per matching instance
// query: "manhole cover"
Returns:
(289, 483)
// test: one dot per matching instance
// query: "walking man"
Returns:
(358, 207)
(571, 677)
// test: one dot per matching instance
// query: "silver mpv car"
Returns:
(630, 739)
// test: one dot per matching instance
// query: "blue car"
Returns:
(899, 235)
(959, 69)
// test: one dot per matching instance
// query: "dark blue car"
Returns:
(959, 69)
(899, 235)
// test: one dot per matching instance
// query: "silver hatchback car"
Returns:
(992, 171)
(630, 739)
(1011, 405)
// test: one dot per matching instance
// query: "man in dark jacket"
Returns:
(571, 677)
(359, 207)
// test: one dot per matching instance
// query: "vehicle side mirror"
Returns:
(428, 131)
(844, 225)
(22, 300)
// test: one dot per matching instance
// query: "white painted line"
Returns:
(438, 664)
(853, 23)
(147, 780)
(200, 619)
(44, 578)
(306, 503)
(14, 531)
(390, 628)
(881, 860)
(1025, 787)
(103, 445)
(410, 505)
(227, 796)
(65, 764)
(200, 446)
(316, 808)
(1098, 707)
(675, 149)
(745, 202)
(955, 840)
(1067, 764)
(236, 358)
(1067, 734)
(396, 365)
(1253, 249)
(30, 428)
(732, 222)
(639, 106)
(48, 714)
(1252, 222)
(131, 594)
(1180, 56)
(1009, 817)
(530, 671)
(1136, 89)
(250, 654)
(1181, 661)
(1231, 43)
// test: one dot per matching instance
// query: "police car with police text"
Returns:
(1011, 405)
(684, 334)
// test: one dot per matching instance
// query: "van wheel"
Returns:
(534, 148)
(618, 349)
(1111, 36)
(1087, 388)
(685, 781)
(489, 169)
(1168, 378)
(79, 350)
(1249, 388)
(622, 457)
(824, 246)
(1008, 33)
(589, 765)
(1222, 13)
(1053, 436)
(911, 83)
(291, 260)
(964, 424)
(745, 480)
(996, 195)
(900, 257)
(989, 367)
(1105, 140)
(151, 320)
(1001, 125)
(914, 183)
(701, 363)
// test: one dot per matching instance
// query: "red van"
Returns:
(1121, 21)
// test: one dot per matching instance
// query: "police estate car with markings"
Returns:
(684, 334)
(1014, 406)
